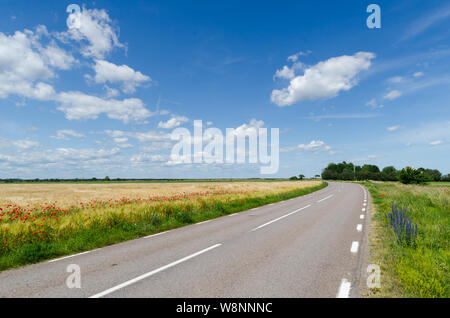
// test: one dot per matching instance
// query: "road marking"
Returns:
(281, 217)
(361, 216)
(149, 236)
(59, 259)
(134, 280)
(364, 204)
(325, 198)
(203, 222)
(232, 214)
(363, 209)
(359, 227)
(354, 248)
(344, 289)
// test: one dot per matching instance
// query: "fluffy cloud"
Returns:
(22, 66)
(24, 144)
(286, 72)
(66, 134)
(95, 31)
(78, 105)
(173, 122)
(324, 80)
(394, 94)
(124, 75)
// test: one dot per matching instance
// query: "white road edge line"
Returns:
(325, 198)
(344, 289)
(152, 235)
(59, 259)
(361, 216)
(359, 227)
(354, 248)
(281, 217)
(203, 222)
(134, 280)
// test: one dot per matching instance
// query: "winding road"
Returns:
(309, 246)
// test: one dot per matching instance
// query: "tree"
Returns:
(293, 178)
(301, 176)
(389, 174)
(410, 175)
(107, 178)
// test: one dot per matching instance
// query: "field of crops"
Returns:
(421, 268)
(40, 221)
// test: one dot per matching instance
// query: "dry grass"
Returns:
(68, 195)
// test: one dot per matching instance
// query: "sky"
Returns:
(102, 97)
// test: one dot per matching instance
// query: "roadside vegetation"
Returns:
(411, 239)
(34, 226)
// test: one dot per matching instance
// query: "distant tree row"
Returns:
(349, 171)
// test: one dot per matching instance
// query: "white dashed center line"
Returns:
(281, 217)
(354, 248)
(134, 280)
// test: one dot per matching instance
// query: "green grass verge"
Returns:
(412, 271)
(99, 235)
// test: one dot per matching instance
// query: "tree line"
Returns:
(349, 171)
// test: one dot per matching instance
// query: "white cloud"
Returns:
(373, 104)
(125, 75)
(22, 66)
(393, 128)
(25, 144)
(59, 155)
(436, 142)
(173, 122)
(57, 57)
(294, 57)
(149, 136)
(65, 133)
(78, 105)
(95, 32)
(142, 158)
(111, 92)
(285, 72)
(250, 128)
(324, 80)
(394, 94)
(418, 74)
(314, 146)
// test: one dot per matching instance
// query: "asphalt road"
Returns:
(310, 246)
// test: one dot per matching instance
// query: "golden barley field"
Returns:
(40, 221)
(71, 194)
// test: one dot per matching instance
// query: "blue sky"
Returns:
(103, 99)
